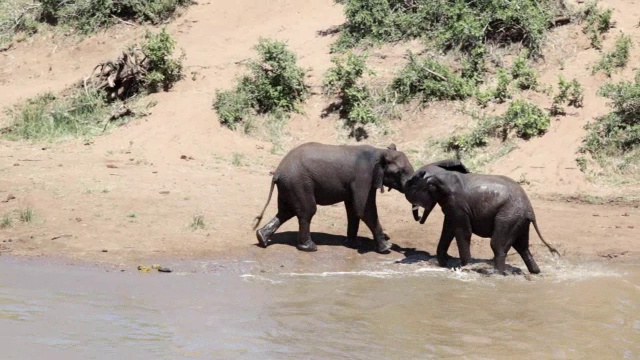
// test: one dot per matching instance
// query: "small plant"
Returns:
(523, 179)
(526, 119)
(197, 222)
(237, 159)
(162, 70)
(26, 215)
(524, 76)
(467, 142)
(596, 22)
(570, 92)
(274, 85)
(6, 221)
(132, 215)
(431, 80)
(344, 81)
(502, 92)
(616, 59)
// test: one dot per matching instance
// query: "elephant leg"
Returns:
(305, 210)
(500, 243)
(522, 247)
(463, 239)
(284, 214)
(353, 224)
(445, 241)
(373, 223)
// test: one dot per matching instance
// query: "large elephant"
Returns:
(486, 205)
(318, 174)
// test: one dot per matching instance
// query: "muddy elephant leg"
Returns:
(522, 247)
(353, 224)
(445, 241)
(463, 239)
(284, 214)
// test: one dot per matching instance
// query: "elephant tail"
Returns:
(551, 248)
(259, 217)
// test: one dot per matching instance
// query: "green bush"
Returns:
(616, 59)
(452, 24)
(502, 91)
(274, 85)
(432, 80)
(89, 15)
(526, 119)
(596, 22)
(343, 80)
(616, 134)
(569, 92)
(162, 70)
(524, 75)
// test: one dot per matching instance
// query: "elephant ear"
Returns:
(378, 172)
(431, 184)
(392, 146)
(452, 165)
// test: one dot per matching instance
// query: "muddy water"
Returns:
(383, 310)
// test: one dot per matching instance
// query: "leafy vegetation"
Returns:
(275, 85)
(161, 69)
(522, 118)
(84, 15)
(596, 22)
(569, 92)
(617, 58)
(344, 80)
(87, 109)
(616, 135)
(430, 79)
(525, 76)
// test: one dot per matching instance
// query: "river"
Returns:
(579, 310)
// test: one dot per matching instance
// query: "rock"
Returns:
(164, 270)
(105, 250)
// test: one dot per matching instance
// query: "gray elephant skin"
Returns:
(490, 206)
(319, 174)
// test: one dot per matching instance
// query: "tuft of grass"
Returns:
(6, 221)
(237, 159)
(132, 215)
(274, 85)
(617, 58)
(523, 74)
(26, 215)
(197, 222)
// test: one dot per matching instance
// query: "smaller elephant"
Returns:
(486, 205)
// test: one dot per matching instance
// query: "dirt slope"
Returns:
(131, 194)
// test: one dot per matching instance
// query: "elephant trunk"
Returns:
(416, 215)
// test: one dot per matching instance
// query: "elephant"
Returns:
(320, 174)
(492, 206)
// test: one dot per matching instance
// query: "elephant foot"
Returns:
(262, 239)
(443, 260)
(352, 243)
(384, 247)
(308, 246)
(386, 237)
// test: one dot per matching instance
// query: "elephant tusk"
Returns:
(424, 216)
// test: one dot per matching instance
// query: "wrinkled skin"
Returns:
(317, 174)
(486, 205)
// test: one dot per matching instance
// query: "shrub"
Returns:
(524, 76)
(526, 119)
(616, 134)
(501, 93)
(432, 80)
(89, 15)
(452, 24)
(274, 85)
(596, 22)
(162, 71)
(343, 80)
(17, 16)
(570, 92)
(615, 59)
